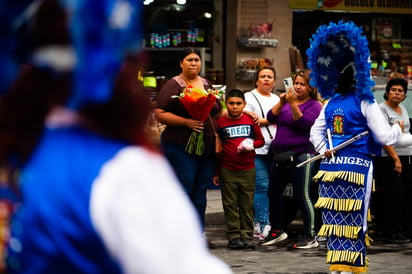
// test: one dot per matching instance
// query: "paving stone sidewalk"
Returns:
(281, 258)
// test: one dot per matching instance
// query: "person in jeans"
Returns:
(393, 172)
(195, 172)
(294, 115)
(236, 171)
(258, 102)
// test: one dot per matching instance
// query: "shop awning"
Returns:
(376, 6)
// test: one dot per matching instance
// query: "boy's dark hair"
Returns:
(395, 82)
(235, 93)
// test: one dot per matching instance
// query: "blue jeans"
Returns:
(261, 201)
(194, 173)
(301, 179)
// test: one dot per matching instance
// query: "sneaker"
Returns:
(265, 232)
(235, 243)
(306, 242)
(256, 230)
(275, 237)
(247, 243)
(321, 240)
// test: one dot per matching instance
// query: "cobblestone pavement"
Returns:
(282, 259)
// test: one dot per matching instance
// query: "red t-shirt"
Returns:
(233, 132)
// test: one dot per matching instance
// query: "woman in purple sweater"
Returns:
(294, 116)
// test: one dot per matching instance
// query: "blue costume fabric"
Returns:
(101, 39)
(346, 120)
(63, 239)
(90, 204)
(345, 184)
(344, 193)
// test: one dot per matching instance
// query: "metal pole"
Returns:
(341, 145)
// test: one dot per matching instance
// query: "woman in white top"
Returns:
(259, 101)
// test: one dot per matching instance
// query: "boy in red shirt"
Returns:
(240, 135)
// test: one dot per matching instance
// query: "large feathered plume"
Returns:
(335, 48)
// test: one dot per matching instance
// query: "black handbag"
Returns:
(286, 157)
(218, 141)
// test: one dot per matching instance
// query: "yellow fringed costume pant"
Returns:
(344, 194)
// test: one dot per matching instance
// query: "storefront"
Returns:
(169, 27)
(386, 23)
(218, 36)
(218, 27)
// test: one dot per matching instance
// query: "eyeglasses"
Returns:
(396, 90)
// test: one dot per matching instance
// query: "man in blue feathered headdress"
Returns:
(340, 69)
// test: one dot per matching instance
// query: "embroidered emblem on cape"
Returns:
(338, 125)
(338, 121)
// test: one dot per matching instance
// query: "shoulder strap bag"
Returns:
(263, 114)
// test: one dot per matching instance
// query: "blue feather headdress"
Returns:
(334, 48)
(102, 33)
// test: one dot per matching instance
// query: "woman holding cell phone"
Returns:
(294, 115)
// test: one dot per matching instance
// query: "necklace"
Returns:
(187, 81)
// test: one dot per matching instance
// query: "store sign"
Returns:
(378, 6)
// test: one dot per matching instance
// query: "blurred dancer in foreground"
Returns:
(95, 196)
(339, 59)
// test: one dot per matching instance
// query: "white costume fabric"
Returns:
(101, 206)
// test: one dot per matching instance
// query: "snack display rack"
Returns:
(251, 42)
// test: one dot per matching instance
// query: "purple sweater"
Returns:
(294, 135)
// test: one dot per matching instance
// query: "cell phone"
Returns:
(288, 83)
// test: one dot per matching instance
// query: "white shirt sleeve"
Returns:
(317, 132)
(146, 220)
(382, 132)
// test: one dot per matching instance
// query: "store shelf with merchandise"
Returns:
(248, 67)
(165, 61)
(254, 42)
